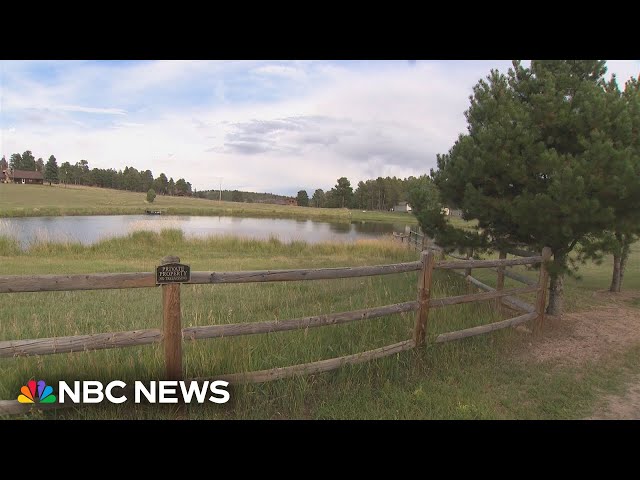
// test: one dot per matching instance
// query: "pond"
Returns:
(90, 229)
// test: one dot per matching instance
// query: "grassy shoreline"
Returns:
(44, 200)
(477, 378)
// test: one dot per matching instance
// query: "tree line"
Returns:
(374, 194)
(551, 158)
(79, 173)
(239, 196)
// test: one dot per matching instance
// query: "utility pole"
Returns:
(220, 197)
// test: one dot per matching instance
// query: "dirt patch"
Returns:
(621, 407)
(587, 336)
(592, 335)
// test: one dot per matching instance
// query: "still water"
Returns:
(90, 229)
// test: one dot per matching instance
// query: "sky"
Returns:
(263, 126)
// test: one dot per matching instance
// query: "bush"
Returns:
(151, 195)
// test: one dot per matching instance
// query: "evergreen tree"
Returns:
(302, 198)
(183, 187)
(28, 161)
(161, 184)
(51, 170)
(15, 161)
(342, 193)
(318, 198)
(624, 184)
(533, 168)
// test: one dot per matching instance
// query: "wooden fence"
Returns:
(172, 335)
(413, 240)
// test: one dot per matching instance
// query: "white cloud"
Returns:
(79, 108)
(281, 71)
(328, 119)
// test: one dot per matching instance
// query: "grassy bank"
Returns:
(584, 287)
(474, 378)
(43, 200)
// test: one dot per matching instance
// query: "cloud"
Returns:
(266, 126)
(127, 125)
(281, 71)
(79, 108)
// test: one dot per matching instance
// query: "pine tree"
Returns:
(318, 198)
(624, 194)
(303, 198)
(51, 170)
(15, 161)
(533, 168)
(28, 161)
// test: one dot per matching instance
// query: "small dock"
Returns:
(153, 212)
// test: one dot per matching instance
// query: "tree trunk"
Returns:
(623, 261)
(620, 262)
(615, 279)
(556, 286)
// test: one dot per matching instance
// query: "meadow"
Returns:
(484, 377)
(44, 200)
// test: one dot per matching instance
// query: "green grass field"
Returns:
(477, 378)
(582, 286)
(43, 200)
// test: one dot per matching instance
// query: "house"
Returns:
(22, 176)
(279, 201)
(402, 207)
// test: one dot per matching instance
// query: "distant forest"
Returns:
(375, 194)
(81, 174)
(378, 194)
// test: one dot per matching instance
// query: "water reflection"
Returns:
(90, 229)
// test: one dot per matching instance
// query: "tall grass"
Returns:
(466, 379)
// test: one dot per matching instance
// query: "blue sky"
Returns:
(275, 126)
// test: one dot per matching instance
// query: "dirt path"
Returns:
(621, 407)
(594, 334)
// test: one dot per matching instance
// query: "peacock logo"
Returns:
(28, 393)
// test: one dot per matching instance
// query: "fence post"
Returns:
(171, 326)
(467, 271)
(500, 280)
(541, 296)
(424, 293)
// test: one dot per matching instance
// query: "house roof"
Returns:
(27, 174)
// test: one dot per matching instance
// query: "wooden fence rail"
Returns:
(172, 335)
(99, 281)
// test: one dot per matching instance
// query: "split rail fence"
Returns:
(172, 335)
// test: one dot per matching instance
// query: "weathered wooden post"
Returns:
(500, 280)
(467, 271)
(541, 297)
(424, 293)
(170, 274)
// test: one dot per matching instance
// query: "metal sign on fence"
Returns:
(173, 273)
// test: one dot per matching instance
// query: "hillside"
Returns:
(44, 200)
